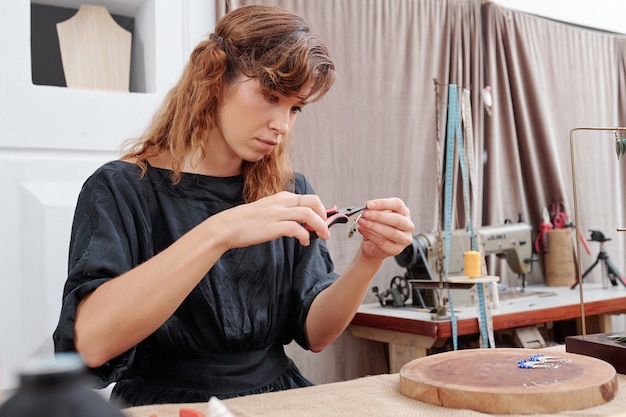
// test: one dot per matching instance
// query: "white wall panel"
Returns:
(51, 139)
(46, 209)
(40, 192)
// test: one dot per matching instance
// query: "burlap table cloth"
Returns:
(377, 395)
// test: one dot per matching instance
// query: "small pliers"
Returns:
(335, 215)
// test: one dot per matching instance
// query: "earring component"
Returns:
(541, 361)
(355, 226)
(620, 145)
(543, 358)
(527, 364)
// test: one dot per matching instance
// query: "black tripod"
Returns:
(612, 272)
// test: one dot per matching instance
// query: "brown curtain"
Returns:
(548, 77)
(376, 133)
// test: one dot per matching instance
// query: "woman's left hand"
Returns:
(386, 228)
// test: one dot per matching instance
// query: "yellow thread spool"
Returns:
(472, 264)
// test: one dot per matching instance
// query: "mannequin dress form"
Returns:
(95, 50)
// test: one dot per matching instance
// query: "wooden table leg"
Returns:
(399, 355)
(403, 347)
(600, 323)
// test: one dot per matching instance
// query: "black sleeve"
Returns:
(106, 231)
(314, 272)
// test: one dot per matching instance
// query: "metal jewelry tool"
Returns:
(335, 215)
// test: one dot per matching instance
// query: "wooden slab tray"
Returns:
(490, 380)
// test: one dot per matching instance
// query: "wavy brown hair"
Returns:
(258, 41)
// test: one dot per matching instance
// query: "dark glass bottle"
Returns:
(56, 387)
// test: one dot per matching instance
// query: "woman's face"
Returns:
(252, 121)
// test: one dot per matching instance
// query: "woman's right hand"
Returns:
(279, 215)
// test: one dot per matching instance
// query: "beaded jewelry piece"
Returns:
(528, 364)
(541, 361)
(355, 226)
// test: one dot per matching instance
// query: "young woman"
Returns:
(190, 266)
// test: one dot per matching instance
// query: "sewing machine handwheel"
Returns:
(402, 285)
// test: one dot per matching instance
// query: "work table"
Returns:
(411, 331)
(375, 396)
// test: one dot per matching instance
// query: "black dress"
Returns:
(227, 337)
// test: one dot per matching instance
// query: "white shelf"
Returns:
(122, 7)
(164, 33)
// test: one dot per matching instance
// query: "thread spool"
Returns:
(472, 264)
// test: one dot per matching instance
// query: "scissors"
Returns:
(335, 215)
(541, 241)
(558, 216)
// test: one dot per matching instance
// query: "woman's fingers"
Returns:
(387, 225)
(280, 215)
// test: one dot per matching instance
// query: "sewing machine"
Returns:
(511, 240)
(424, 264)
